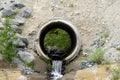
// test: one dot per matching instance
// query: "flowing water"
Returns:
(56, 69)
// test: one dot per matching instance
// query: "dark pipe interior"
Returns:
(67, 28)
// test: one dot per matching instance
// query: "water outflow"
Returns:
(56, 69)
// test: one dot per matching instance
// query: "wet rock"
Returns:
(26, 56)
(17, 21)
(8, 11)
(86, 64)
(27, 71)
(69, 76)
(19, 43)
(112, 55)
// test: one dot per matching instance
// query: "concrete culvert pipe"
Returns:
(75, 38)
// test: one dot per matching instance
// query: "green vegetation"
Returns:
(58, 39)
(103, 37)
(28, 64)
(118, 47)
(7, 36)
(97, 55)
(116, 73)
(10, 17)
(102, 41)
(105, 34)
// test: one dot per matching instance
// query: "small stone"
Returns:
(25, 13)
(86, 64)
(8, 11)
(20, 49)
(17, 21)
(26, 56)
(27, 71)
(18, 30)
(12, 1)
(19, 5)
(25, 41)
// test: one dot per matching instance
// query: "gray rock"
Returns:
(12, 1)
(20, 64)
(1, 26)
(19, 43)
(86, 64)
(1, 6)
(18, 30)
(20, 49)
(8, 11)
(27, 71)
(26, 56)
(112, 55)
(3, 20)
(19, 6)
(24, 39)
(17, 21)
(25, 12)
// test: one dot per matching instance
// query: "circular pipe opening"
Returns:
(71, 52)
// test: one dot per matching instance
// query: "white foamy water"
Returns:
(56, 69)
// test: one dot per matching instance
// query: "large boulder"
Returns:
(26, 56)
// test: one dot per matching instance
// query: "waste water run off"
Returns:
(56, 69)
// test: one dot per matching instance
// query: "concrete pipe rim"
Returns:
(73, 31)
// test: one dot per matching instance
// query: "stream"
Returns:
(56, 69)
